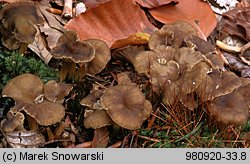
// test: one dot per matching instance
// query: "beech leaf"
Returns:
(101, 138)
(111, 21)
(197, 13)
(155, 3)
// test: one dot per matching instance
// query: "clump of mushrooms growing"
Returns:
(123, 104)
(18, 26)
(80, 57)
(188, 71)
(39, 103)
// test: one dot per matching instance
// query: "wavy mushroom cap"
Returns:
(26, 87)
(126, 106)
(172, 34)
(69, 47)
(97, 119)
(101, 57)
(218, 84)
(56, 91)
(91, 98)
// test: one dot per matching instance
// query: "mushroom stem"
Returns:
(228, 48)
(67, 9)
(59, 130)
(23, 48)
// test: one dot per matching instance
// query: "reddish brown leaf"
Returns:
(236, 22)
(111, 21)
(155, 3)
(196, 12)
(101, 138)
(94, 3)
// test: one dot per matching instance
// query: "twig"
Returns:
(234, 49)
(54, 11)
(152, 120)
(67, 9)
(116, 145)
(147, 138)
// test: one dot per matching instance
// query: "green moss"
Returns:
(13, 64)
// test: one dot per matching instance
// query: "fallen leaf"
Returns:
(236, 22)
(197, 13)
(236, 65)
(94, 3)
(39, 47)
(243, 3)
(13, 1)
(21, 139)
(110, 22)
(101, 138)
(134, 39)
(155, 3)
(52, 35)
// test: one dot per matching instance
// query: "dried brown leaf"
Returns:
(111, 21)
(101, 138)
(39, 46)
(197, 13)
(18, 139)
(94, 3)
(155, 3)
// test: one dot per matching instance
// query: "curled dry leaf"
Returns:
(110, 22)
(197, 13)
(236, 65)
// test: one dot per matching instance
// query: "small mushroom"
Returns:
(56, 91)
(91, 99)
(97, 119)
(125, 104)
(72, 51)
(230, 109)
(70, 47)
(27, 91)
(101, 57)
(45, 113)
(26, 87)
(171, 35)
(12, 122)
(18, 25)
(218, 84)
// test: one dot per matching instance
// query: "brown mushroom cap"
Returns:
(101, 57)
(12, 122)
(97, 119)
(191, 79)
(25, 32)
(18, 20)
(45, 113)
(91, 99)
(27, 9)
(162, 73)
(230, 109)
(125, 106)
(218, 84)
(171, 35)
(69, 47)
(56, 91)
(26, 87)
(200, 45)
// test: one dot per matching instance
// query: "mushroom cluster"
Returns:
(34, 100)
(188, 71)
(18, 26)
(80, 57)
(123, 104)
